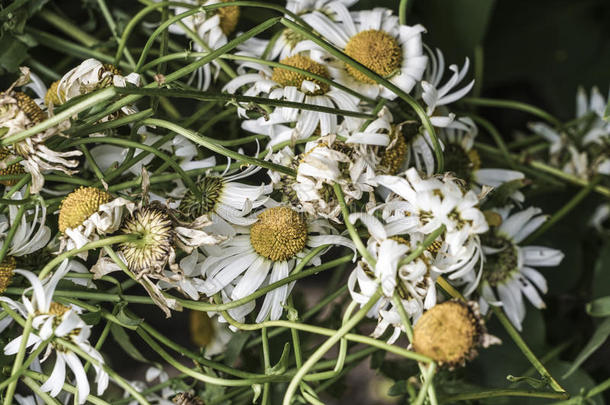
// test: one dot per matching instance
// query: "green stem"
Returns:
(90, 100)
(10, 391)
(598, 389)
(353, 233)
(33, 356)
(514, 334)
(515, 105)
(89, 246)
(67, 28)
(495, 393)
(326, 346)
(402, 11)
(565, 210)
(39, 392)
(195, 374)
(428, 240)
(213, 146)
(266, 365)
(13, 229)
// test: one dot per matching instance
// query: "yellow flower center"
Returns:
(394, 155)
(151, 251)
(229, 17)
(6, 272)
(29, 107)
(51, 97)
(279, 234)
(15, 168)
(80, 205)
(447, 333)
(287, 77)
(377, 50)
(58, 309)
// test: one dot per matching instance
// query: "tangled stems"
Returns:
(10, 391)
(326, 346)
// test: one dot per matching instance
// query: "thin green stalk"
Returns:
(89, 246)
(90, 295)
(428, 376)
(89, 158)
(515, 105)
(326, 346)
(195, 374)
(514, 334)
(402, 11)
(33, 356)
(235, 98)
(90, 100)
(266, 365)
(340, 361)
(103, 126)
(39, 392)
(10, 390)
(67, 27)
(598, 389)
(113, 29)
(565, 210)
(497, 137)
(13, 229)
(213, 146)
(189, 68)
(428, 240)
(353, 233)
(495, 393)
(137, 145)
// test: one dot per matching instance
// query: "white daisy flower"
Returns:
(437, 96)
(225, 200)
(91, 75)
(414, 282)
(440, 201)
(288, 42)
(19, 112)
(282, 84)
(376, 39)
(508, 271)
(212, 27)
(263, 253)
(54, 319)
(88, 213)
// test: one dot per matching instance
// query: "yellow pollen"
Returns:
(80, 205)
(447, 333)
(435, 246)
(15, 168)
(6, 272)
(29, 107)
(475, 159)
(51, 97)
(287, 77)
(279, 234)
(393, 156)
(229, 17)
(377, 50)
(57, 309)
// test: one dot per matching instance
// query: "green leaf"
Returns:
(12, 53)
(599, 307)
(257, 390)
(533, 382)
(91, 318)
(282, 364)
(125, 320)
(122, 338)
(599, 337)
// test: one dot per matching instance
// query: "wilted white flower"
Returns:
(508, 270)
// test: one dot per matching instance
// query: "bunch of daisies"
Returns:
(340, 164)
